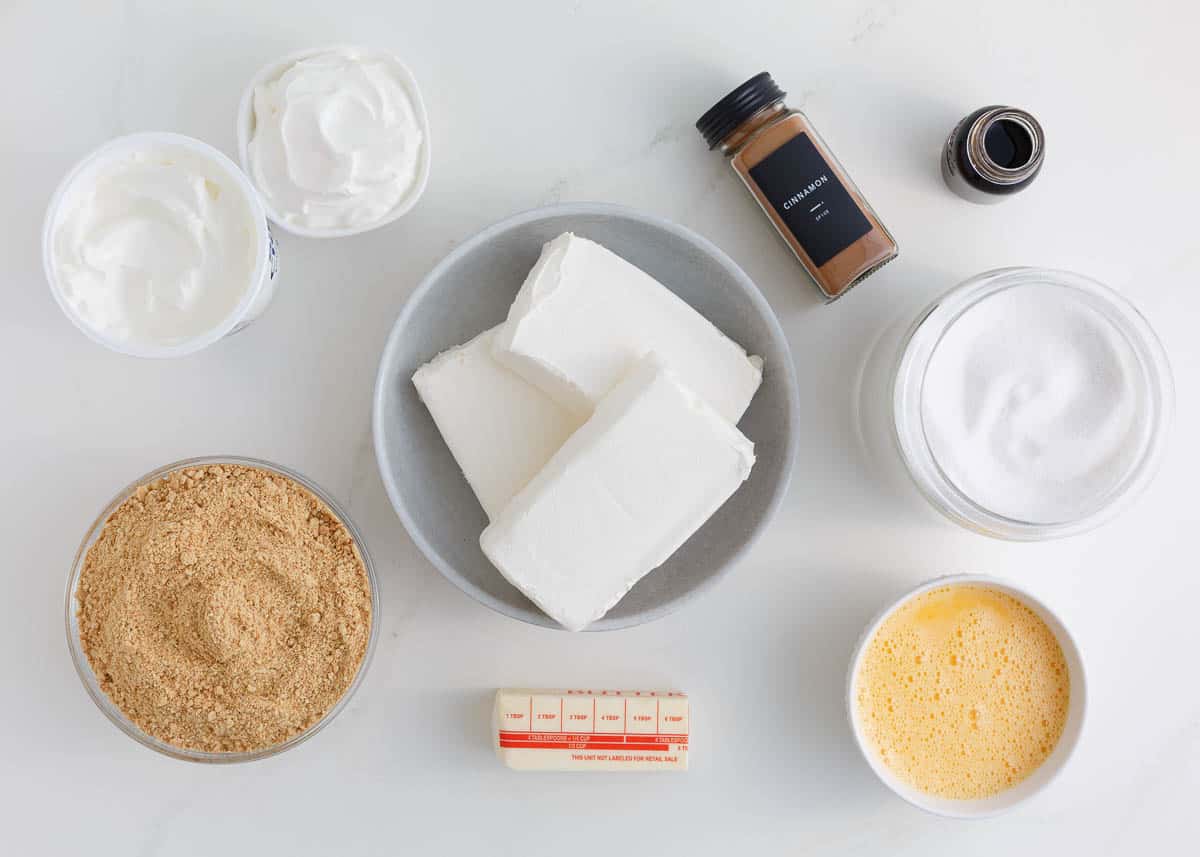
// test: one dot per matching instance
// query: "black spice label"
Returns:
(806, 193)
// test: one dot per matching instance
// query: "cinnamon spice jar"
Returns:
(815, 206)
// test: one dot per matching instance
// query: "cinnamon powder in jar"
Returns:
(799, 184)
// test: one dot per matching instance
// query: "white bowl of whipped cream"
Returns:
(156, 245)
(1032, 403)
(335, 139)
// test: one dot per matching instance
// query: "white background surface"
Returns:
(532, 103)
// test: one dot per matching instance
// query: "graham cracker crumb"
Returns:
(224, 608)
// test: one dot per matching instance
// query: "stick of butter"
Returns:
(591, 730)
(584, 316)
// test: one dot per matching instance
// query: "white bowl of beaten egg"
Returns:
(966, 696)
(335, 139)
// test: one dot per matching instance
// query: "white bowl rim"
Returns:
(534, 616)
(245, 116)
(968, 809)
(259, 278)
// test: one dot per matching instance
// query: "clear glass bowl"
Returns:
(84, 667)
(913, 362)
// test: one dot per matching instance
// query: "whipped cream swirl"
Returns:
(154, 247)
(337, 141)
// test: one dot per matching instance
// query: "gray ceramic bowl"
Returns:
(469, 291)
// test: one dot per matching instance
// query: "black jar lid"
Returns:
(735, 108)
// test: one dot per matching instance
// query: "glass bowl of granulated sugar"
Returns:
(222, 610)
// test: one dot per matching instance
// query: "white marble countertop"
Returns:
(533, 102)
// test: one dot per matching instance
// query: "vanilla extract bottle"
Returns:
(993, 153)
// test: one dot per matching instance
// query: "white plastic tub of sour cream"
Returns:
(335, 139)
(156, 245)
(1031, 403)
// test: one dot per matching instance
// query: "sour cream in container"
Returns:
(1032, 403)
(335, 139)
(156, 245)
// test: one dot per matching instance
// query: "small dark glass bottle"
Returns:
(815, 206)
(993, 153)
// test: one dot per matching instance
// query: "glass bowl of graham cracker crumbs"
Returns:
(222, 609)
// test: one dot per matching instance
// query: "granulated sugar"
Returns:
(224, 608)
(1034, 405)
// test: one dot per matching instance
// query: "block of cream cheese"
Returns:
(591, 730)
(619, 497)
(585, 315)
(500, 429)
